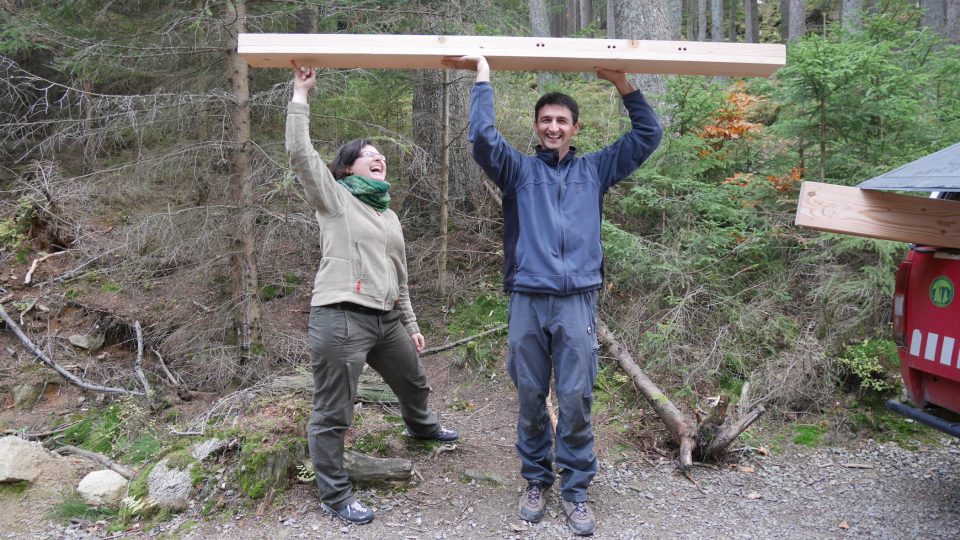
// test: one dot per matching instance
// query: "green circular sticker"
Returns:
(941, 291)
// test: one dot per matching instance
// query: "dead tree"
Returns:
(707, 440)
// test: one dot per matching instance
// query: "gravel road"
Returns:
(868, 490)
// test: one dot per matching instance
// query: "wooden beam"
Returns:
(878, 214)
(512, 53)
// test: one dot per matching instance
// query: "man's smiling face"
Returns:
(555, 128)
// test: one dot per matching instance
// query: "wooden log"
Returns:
(366, 470)
(371, 389)
(512, 53)
(878, 214)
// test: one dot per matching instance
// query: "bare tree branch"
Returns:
(137, 368)
(70, 377)
(122, 470)
(434, 350)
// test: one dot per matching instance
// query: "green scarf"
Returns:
(373, 193)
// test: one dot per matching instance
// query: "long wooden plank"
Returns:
(512, 53)
(878, 214)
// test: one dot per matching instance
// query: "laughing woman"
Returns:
(360, 312)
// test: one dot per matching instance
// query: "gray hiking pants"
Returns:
(554, 335)
(341, 342)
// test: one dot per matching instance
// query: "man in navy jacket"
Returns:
(552, 205)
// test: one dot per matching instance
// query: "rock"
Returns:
(103, 487)
(201, 451)
(90, 342)
(169, 487)
(488, 478)
(26, 395)
(22, 460)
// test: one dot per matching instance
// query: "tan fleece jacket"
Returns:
(362, 251)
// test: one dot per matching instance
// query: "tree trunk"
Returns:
(586, 15)
(784, 20)
(444, 189)
(540, 27)
(716, 20)
(428, 137)
(611, 19)
(675, 19)
(701, 20)
(643, 19)
(691, 19)
(798, 19)
(570, 13)
(751, 19)
(305, 20)
(732, 36)
(952, 30)
(245, 281)
(850, 12)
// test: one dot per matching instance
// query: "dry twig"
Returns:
(36, 262)
(70, 377)
(122, 470)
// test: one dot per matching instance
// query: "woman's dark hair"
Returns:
(557, 98)
(346, 155)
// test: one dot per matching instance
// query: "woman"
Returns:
(360, 311)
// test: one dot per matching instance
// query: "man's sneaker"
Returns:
(532, 503)
(354, 512)
(444, 435)
(579, 517)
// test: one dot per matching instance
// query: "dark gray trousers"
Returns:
(554, 335)
(341, 342)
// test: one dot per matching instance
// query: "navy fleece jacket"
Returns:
(552, 210)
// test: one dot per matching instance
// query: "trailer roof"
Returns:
(939, 171)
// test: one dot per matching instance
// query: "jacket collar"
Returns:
(550, 156)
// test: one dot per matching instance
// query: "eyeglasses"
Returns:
(374, 155)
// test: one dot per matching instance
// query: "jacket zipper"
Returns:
(359, 265)
(560, 184)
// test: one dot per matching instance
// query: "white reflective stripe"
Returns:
(931, 350)
(916, 339)
(947, 351)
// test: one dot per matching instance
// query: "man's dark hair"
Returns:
(346, 155)
(557, 98)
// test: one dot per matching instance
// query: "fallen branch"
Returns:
(70, 273)
(707, 440)
(163, 365)
(36, 262)
(678, 424)
(70, 377)
(137, 369)
(99, 458)
(434, 350)
(40, 434)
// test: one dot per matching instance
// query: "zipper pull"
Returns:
(358, 285)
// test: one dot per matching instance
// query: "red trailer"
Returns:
(926, 311)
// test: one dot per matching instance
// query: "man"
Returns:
(553, 267)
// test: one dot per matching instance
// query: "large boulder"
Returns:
(22, 461)
(102, 488)
(168, 486)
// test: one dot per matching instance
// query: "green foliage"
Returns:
(72, 507)
(374, 443)
(871, 417)
(110, 430)
(288, 285)
(13, 489)
(872, 365)
(474, 316)
(808, 435)
(13, 230)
